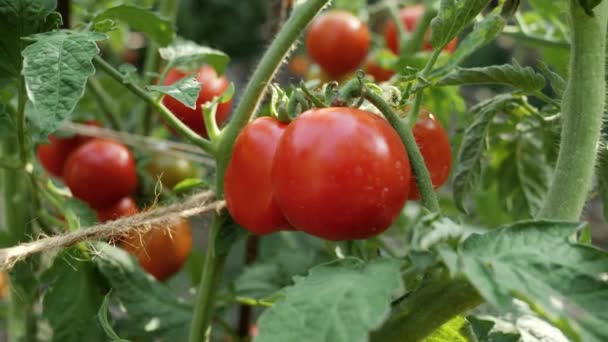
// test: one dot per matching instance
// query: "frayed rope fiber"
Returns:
(157, 218)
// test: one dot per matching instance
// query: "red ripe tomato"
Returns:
(124, 207)
(100, 172)
(211, 86)
(379, 73)
(410, 16)
(434, 145)
(247, 182)
(340, 173)
(161, 252)
(338, 41)
(53, 155)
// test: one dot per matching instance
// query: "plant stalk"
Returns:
(105, 103)
(582, 110)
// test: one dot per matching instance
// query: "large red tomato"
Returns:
(124, 207)
(211, 86)
(53, 155)
(434, 144)
(100, 172)
(247, 182)
(161, 252)
(340, 174)
(338, 41)
(410, 16)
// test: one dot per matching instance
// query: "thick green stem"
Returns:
(426, 309)
(582, 109)
(173, 121)
(168, 9)
(254, 92)
(423, 179)
(207, 288)
(105, 103)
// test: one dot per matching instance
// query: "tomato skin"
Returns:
(247, 182)
(299, 65)
(434, 145)
(379, 73)
(124, 207)
(211, 86)
(340, 174)
(53, 155)
(410, 16)
(170, 170)
(100, 172)
(338, 41)
(161, 252)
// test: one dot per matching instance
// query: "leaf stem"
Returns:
(535, 40)
(423, 179)
(173, 121)
(582, 110)
(415, 41)
(547, 99)
(105, 103)
(415, 112)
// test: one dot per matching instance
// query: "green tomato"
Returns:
(170, 170)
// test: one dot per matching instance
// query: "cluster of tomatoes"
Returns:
(336, 173)
(339, 43)
(103, 174)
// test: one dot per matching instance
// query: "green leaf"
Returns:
(482, 328)
(471, 154)
(455, 330)
(56, 68)
(557, 82)
(602, 177)
(79, 214)
(185, 91)
(21, 18)
(189, 56)
(151, 307)
(453, 17)
(549, 8)
(589, 5)
(156, 27)
(7, 123)
(338, 301)
(102, 318)
(190, 184)
(535, 261)
(72, 299)
(516, 76)
(354, 6)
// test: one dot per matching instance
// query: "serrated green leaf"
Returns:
(455, 330)
(56, 68)
(156, 27)
(185, 91)
(516, 76)
(102, 319)
(535, 261)
(589, 5)
(71, 301)
(189, 55)
(473, 146)
(151, 307)
(557, 82)
(453, 17)
(21, 18)
(338, 301)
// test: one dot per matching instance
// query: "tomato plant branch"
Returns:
(173, 121)
(517, 34)
(415, 112)
(582, 110)
(261, 78)
(416, 39)
(104, 101)
(423, 180)
(426, 309)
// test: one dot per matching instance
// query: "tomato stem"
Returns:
(213, 131)
(415, 41)
(415, 112)
(423, 179)
(258, 84)
(105, 103)
(582, 109)
(171, 119)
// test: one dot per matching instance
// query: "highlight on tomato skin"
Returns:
(434, 144)
(212, 85)
(340, 174)
(338, 41)
(247, 182)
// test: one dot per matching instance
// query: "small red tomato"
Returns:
(53, 155)
(100, 172)
(410, 16)
(124, 207)
(161, 252)
(247, 182)
(211, 86)
(379, 73)
(434, 145)
(299, 65)
(338, 41)
(340, 174)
